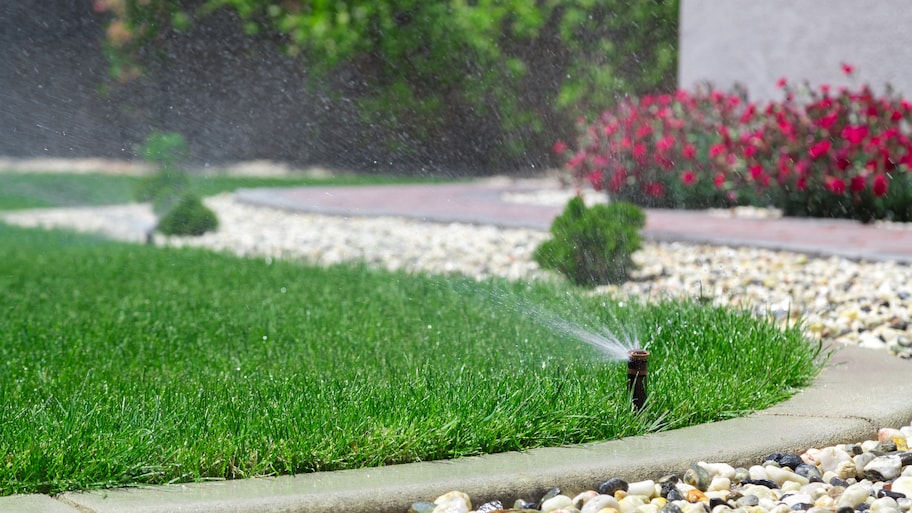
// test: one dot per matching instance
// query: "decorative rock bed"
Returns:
(874, 475)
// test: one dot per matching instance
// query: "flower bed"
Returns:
(822, 153)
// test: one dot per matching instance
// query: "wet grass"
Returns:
(39, 190)
(124, 364)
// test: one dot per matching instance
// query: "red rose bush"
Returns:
(823, 154)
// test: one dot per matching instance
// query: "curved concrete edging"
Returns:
(858, 392)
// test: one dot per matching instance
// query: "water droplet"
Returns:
(265, 337)
(282, 290)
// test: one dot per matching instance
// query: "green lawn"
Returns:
(39, 190)
(124, 364)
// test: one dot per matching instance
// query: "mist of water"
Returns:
(613, 346)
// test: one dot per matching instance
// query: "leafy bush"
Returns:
(188, 217)
(163, 188)
(494, 78)
(593, 246)
(824, 154)
(180, 211)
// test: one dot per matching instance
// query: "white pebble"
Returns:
(645, 488)
(853, 496)
(555, 503)
(600, 502)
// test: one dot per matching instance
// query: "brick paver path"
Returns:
(482, 202)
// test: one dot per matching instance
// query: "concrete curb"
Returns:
(858, 392)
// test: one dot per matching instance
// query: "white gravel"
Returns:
(869, 304)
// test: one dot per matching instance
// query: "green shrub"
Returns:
(169, 183)
(164, 189)
(495, 80)
(188, 217)
(593, 246)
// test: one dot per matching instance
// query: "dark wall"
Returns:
(233, 97)
(50, 70)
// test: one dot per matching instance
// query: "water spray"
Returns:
(637, 369)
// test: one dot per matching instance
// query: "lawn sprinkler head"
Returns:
(637, 369)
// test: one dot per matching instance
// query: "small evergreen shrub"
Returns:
(188, 217)
(169, 183)
(164, 189)
(593, 245)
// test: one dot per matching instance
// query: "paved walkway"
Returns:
(483, 202)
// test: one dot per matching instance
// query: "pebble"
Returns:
(841, 301)
(889, 490)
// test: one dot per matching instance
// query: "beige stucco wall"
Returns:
(756, 42)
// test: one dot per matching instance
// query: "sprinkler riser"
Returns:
(637, 371)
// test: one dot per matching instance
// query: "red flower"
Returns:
(577, 159)
(855, 134)
(719, 180)
(857, 184)
(560, 147)
(880, 186)
(782, 83)
(836, 185)
(848, 69)
(688, 177)
(716, 149)
(654, 189)
(820, 149)
(689, 152)
(595, 178)
(666, 143)
(756, 172)
(639, 151)
(828, 120)
(801, 184)
(618, 180)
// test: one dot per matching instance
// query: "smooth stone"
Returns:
(790, 487)
(853, 496)
(847, 470)
(719, 483)
(600, 502)
(555, 503)
(464, 497)
(781, 475)
(902, 485)
(422, 507)
(883, 468)
(631, 503)
(582, 497)
(670, 508)
(645, 488)
(811, 472)
(889, 434)
(697, 476)
(883, 504)
(757, 473)
(451, 505)
(797, 498)
(488, 507)
(861, 461)
(611, 486)
(790, 460)
(748, 500)
(830, 458)
(718, 469)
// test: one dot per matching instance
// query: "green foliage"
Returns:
(165, 148)
(163, 188)
(180, 211)
(431, 71)
(188, 217)
(593, 246)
